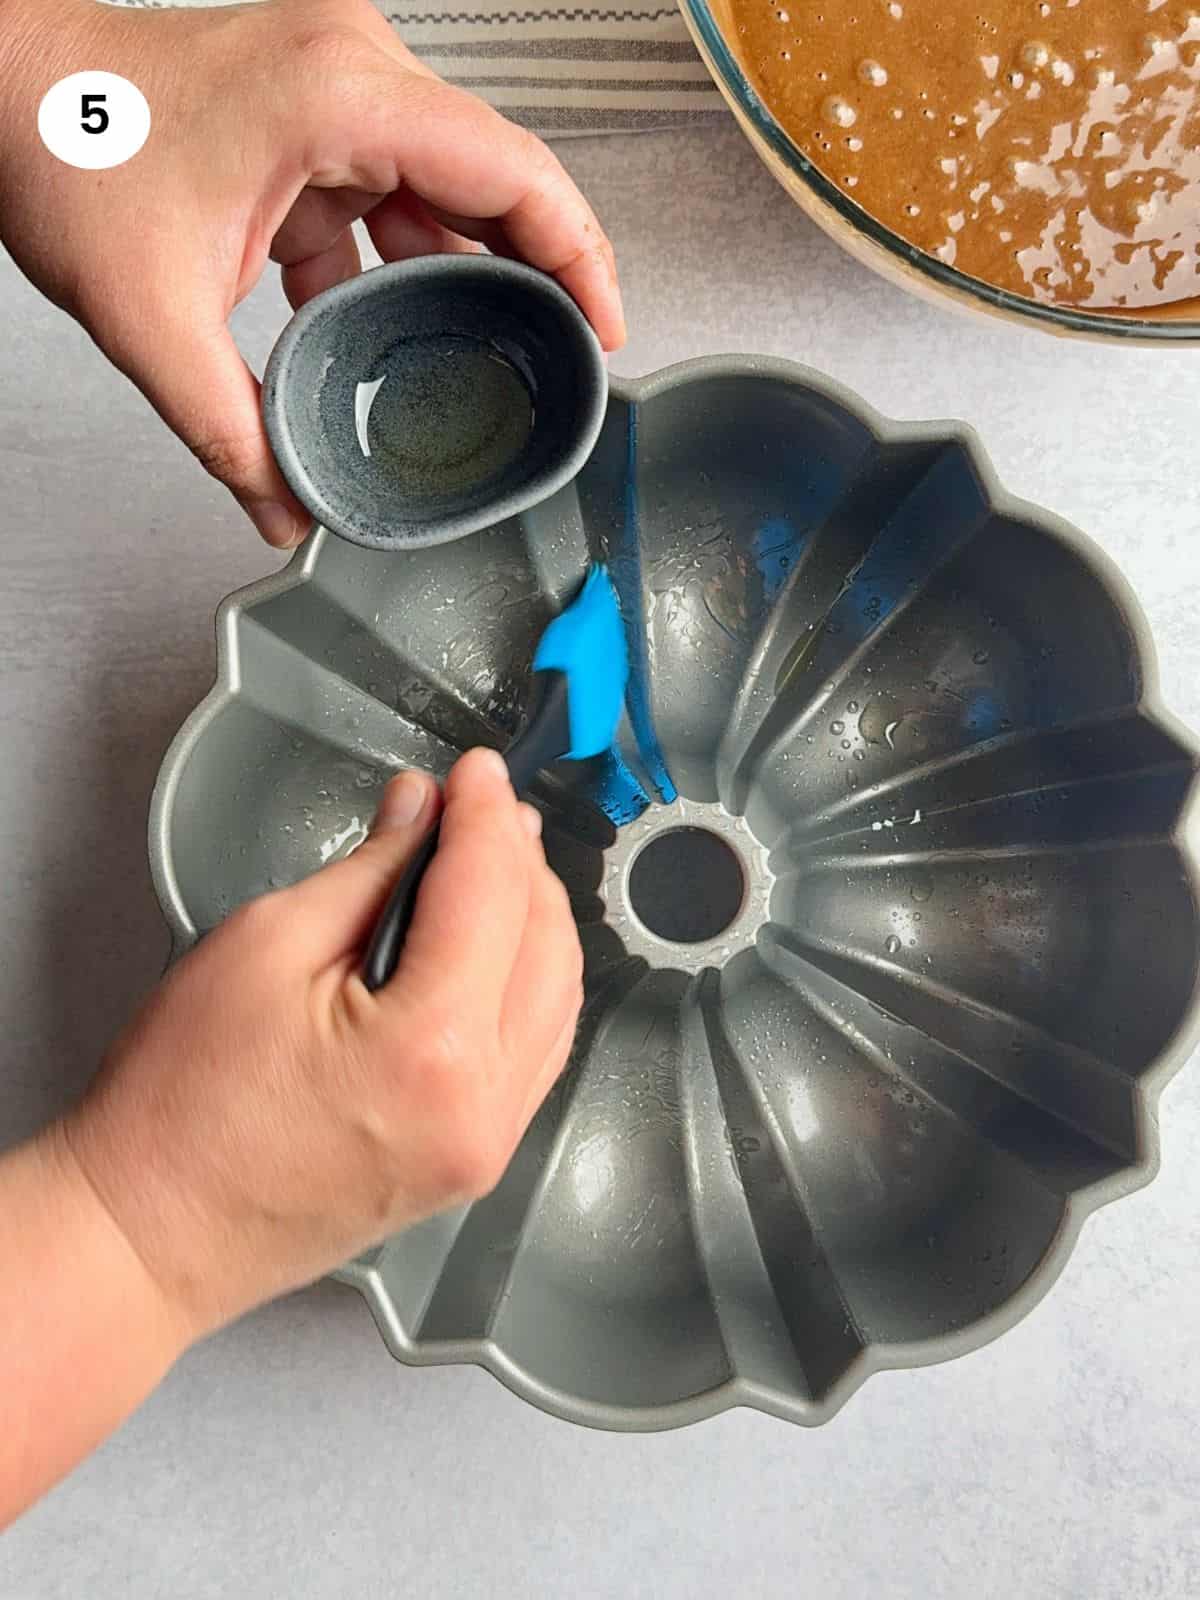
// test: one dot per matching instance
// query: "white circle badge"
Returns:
(94, 120)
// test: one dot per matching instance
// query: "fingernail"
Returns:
(403, 801)
(620, 310)
(492, 763)
(276, 524)
(531, 819)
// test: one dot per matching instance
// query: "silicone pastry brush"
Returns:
(580, 669)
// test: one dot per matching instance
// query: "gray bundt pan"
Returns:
(857, 1121)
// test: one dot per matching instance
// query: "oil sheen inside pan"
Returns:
(888, 959)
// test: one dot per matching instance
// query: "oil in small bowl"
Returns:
(444, 415)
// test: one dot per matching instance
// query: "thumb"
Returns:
(337, 907)
(197, 380)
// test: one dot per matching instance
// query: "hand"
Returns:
(265, 1117)
(275, 126)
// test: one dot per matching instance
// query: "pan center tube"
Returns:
(686, 886)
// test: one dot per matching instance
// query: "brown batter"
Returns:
(1051, 147)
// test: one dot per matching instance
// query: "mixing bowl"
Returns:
(878, 1006)
(711, 24)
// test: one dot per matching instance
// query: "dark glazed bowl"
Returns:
(711, 25)
(339, 341)
(846, 1106)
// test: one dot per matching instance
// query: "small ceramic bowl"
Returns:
(427, 399)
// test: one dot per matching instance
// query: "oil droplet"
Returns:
(921, 886)
(891, 944)
(837, 727)
(880, 719)
(870, 72)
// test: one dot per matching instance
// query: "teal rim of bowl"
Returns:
(947, 277)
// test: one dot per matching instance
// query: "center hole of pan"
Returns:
(687, 885)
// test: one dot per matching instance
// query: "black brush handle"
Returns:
(545, 738)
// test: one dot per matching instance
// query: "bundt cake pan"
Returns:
(888, 958)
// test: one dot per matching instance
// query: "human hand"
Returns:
(275, 126)
(265, 1118)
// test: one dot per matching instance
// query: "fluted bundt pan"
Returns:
(887, 959)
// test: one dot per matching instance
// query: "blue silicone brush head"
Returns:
(586, 643)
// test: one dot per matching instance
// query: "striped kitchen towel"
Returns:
(561, 69)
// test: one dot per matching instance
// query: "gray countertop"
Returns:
(289, 1455)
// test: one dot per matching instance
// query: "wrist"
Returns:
(85, 1335)
(136, 1174)
(94, 1237)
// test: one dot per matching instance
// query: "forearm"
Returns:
(85, 1334)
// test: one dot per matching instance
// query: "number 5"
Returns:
(91, 107)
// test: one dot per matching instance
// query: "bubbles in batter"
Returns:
(1051, 149)
(839, 111)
